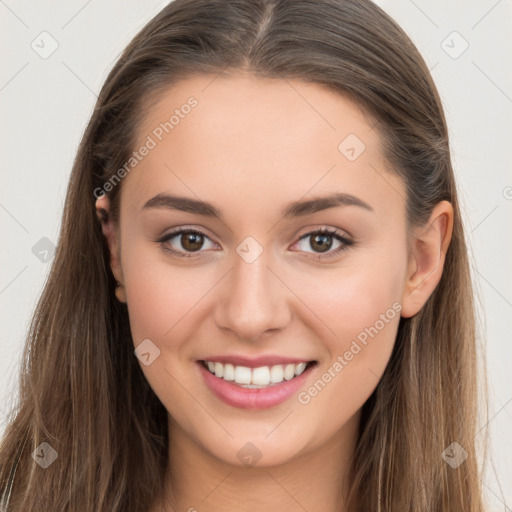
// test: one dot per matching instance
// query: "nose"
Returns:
(253, 300)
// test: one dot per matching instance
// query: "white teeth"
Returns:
(229, 372)
(299, 368)
(242, 375)
(276, 374)
(289, 371)
(219, 370)
(262, 376)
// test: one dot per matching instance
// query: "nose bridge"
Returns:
(254, 300)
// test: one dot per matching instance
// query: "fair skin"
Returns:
(250, 147)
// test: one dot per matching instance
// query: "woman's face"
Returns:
(259, 280)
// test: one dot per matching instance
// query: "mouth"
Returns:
(255, 387)
(259, 377)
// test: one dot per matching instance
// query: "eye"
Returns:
(190, 240)
(322, 241)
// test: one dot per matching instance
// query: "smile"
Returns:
(260, 387)
(261, 377)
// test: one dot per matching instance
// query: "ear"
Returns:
(111, 235)
(426, 258)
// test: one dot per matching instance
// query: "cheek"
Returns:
(356, 295)
(165, 301)
(360, 305)
(164, 306)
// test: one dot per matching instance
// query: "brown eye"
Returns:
(321, 242)
(185, 242)
(192, 241)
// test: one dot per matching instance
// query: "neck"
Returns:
(315, 480)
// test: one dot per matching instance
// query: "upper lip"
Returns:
(255, 362)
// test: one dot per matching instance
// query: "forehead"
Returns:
(275, 138)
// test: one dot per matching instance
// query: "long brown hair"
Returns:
(81, 388)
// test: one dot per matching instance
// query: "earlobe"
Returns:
(429, 246)
(109, 231)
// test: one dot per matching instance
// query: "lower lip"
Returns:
(253, 398)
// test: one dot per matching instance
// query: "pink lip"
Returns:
(255, 362)
(252, 398)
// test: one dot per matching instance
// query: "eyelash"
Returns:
(346, 243)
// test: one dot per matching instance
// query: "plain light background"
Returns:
(47, 99)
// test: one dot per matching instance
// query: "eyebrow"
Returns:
(291, 210)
